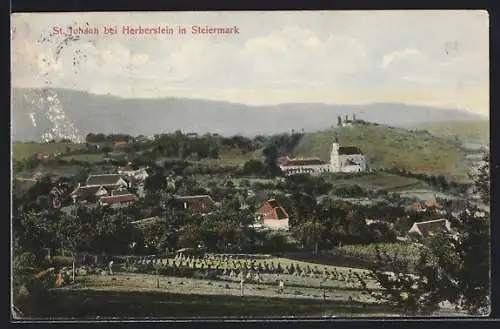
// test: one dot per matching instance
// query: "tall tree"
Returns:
(482, 180)
(310, 234)
(270, 153)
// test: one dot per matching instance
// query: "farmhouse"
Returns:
(41, 156)
(272, 215)
(347, 159)
(88, 193)
(138, 174)
(196, 204)
(110, 181)
(416, 207)
(109, 189)
(118, 201)
(429, 228)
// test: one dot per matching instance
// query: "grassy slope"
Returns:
(382, 180)
(232, 158)
(90, 158)
(468, 132)
(391, 147)
(23, 150)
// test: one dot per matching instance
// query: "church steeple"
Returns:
(334, 155)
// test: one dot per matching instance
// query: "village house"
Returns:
(272, 215)
(138, 174)
(429, 228)
(111, 181)
(120, 143)
(102, 186)
(426, 206)
(88, 193)
(118, 201)
(369, 222)
(196, 204)
(41, 156)
(416, 207)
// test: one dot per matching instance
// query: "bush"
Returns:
(25, 260)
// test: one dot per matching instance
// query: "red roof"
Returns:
(201, 204)
(272, 210)
(118, 198)
(430, 227)
(287, 162)
(431, 204)
(417, 206)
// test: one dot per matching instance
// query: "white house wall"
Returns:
(315, 169)
(276, 224)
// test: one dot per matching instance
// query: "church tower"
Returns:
(334, 156)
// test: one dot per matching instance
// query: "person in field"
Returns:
(110, 266)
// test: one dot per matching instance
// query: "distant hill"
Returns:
(36, 112)
(387, 146)
(469, 132)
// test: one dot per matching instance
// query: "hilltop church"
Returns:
(347, 159)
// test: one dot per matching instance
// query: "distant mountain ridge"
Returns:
(88, 112)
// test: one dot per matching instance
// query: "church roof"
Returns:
(286, 161)
(349, 150)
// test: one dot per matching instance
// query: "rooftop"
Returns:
(106, 179)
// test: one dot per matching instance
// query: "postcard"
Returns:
(250, 165)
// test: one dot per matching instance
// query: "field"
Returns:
(137, 295)
(407, 251)
(65, 170)
(474, 132)
(23, 150)
(132, 295)
(380, 180)
(89, 158)
(391, 147)
(232, 158)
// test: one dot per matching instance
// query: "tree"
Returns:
(270, 153)
(482, 180)
(75, 233)
(253, 167)
(310, 234)
(453, 266)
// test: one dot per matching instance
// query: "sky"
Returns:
(434, 58)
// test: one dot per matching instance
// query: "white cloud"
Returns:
(398, 55)
(324, 57)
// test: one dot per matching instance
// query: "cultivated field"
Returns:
(137, 295)
(23, 150)
(380, 180)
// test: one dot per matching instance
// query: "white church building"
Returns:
(347, 159)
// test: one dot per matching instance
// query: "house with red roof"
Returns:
(417, 207)
(118, 201)
(429, 228)
(196, 204)
(272, 215)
